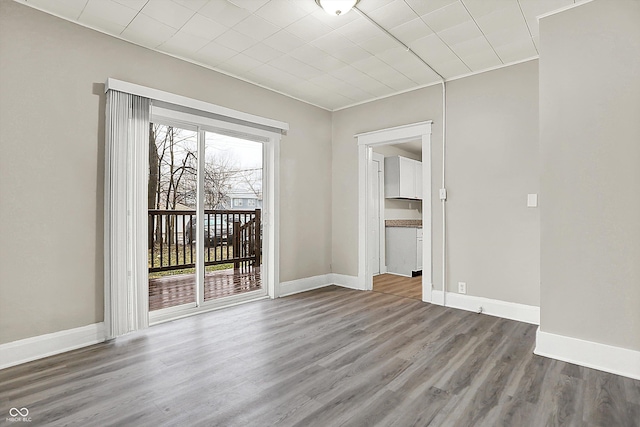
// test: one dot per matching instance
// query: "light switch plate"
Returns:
(532, 200)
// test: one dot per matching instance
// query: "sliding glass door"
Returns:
(205, 220)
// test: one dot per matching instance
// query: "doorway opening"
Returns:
(395, 206)
(231, 225)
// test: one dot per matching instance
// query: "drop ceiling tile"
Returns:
(517, 50)
(263, 53)
(359, 30)
(214, 53)
(235, 40)
(423, 7)
(379, 44)
(283, 41)
(256, 28)
(332, 41)
(326, 63)
(371, 66)
(471, 46)
(168, 12)
(534, 8)
(536, 42)
(201, 26)
(452, 69)
(109, 11)
(396, 55)
(134, 4)
(432, 49)
(239, 64)
(307, 53)
(480, 8)
(369, 84)
(481, 60)
(369, 6)
(507, 35)
(250, 5)
(350, 54)
(328, 81)
(281, 12)
(183, 44)
(194, 5)
(411, 31)
(94, 21)
(504, 25)
(269, 72)
(466, 31)
(66, 8)
(147, 31)
(309, 28)
(447, 17)
(307, 6)
(398, 81)
(223, 12)
(420, 74)
(335, 21)
(295, 67)
(393, 14)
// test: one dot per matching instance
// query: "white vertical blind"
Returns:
(127, 163)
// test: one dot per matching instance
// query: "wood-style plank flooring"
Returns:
(169, 291)
(408, 287)
(329, 357)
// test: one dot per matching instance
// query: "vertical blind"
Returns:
(126, 285)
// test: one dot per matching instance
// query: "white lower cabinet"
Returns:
(403, 246)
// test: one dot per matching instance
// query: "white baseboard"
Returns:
(345, 281)
(315, 282)
(26, 350)
(492, 307)
(303, 285)
(603, 357)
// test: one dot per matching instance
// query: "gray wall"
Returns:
(492, 164)
(52, 165)
(590, 180)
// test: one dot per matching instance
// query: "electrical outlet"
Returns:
(462, 287)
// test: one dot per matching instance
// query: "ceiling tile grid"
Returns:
(294, 47)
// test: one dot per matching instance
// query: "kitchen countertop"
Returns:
(408, 223)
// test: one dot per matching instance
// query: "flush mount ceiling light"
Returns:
(337, 7)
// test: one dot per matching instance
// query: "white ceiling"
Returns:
(294, 47)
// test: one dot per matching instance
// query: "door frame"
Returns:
(388, 136)
(381, 241)
(270, 273)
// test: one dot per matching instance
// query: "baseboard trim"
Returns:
(345, 281)
(603, 357)
(29, 349)
(492, 307)
(320, 281)
(303, 285)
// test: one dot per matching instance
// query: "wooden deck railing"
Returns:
(229, 237)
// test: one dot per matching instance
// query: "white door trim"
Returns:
(395, 135)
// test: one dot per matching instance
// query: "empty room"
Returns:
(320, 213)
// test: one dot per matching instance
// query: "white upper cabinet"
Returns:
(402, 178)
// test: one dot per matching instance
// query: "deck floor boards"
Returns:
(328, 357)
(169, 291)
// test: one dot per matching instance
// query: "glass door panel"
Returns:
(233, 212)
(172, 234)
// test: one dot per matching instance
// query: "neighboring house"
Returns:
(243, 201)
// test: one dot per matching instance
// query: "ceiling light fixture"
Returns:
(337, 7)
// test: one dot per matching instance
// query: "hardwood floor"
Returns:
(328, 357)
(408, 287)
